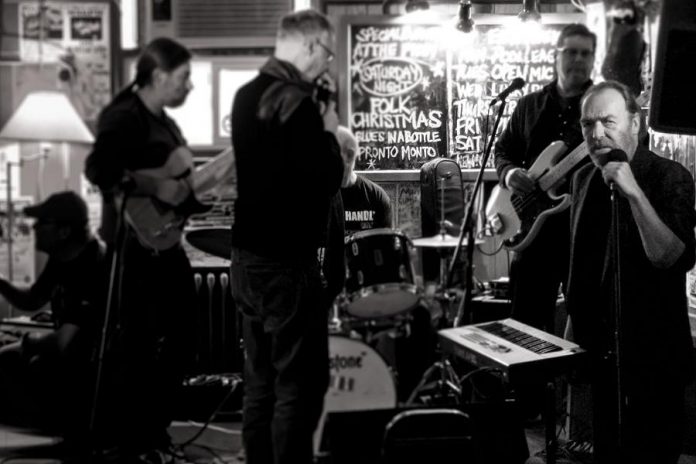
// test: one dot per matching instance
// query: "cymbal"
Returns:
(440, 241)
(216, 241)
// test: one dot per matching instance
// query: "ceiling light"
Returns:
(465, 23)
(530, 11)
(386, 6)
(417, 5)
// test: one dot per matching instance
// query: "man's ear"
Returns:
(636, 123)
(350, 154)
(157, 76)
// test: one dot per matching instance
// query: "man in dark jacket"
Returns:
(542, 117)
(647, 358)
(289, 169)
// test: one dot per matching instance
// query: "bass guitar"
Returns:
(159, 224)
(518, 218)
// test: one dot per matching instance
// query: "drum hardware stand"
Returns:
(447, 384)
(463, 314)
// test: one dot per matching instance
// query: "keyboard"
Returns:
(517, 349)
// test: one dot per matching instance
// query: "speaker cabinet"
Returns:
(673, 97)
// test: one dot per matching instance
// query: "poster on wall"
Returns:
(23, 269)
(76, 36)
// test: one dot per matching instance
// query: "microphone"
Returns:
(615, 154)
(517, 84)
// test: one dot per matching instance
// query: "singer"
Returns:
(657, 247)
(553, 113)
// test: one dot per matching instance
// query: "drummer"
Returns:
(366, 204)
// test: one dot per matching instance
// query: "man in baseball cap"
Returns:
(61, 223)
(73, 282)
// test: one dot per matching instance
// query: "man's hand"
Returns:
(330, 117)
(171, 191)
(620, 174)
(519, 182)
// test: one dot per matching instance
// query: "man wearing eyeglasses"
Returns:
(45, 379)
(289, 169)
(542, 117)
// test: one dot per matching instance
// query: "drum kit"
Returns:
(380, 294)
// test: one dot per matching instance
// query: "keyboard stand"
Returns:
(549, 414)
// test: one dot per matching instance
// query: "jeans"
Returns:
(286, 371)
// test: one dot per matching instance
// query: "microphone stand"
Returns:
(615, 256)
(113, 306)
(468, 229)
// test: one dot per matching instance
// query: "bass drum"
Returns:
(359, 379)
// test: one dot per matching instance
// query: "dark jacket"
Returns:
(129, 137)
(655, 324)
(288, 166)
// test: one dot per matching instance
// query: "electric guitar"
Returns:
(518, 218)
(158, 223)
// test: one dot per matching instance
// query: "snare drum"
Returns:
(379, 274)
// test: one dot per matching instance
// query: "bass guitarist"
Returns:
(149, 349)
(542, 117)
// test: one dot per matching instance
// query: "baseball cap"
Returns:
(64, 207)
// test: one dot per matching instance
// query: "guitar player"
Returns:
(540, 118)
(150, 350)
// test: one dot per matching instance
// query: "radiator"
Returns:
(218, 341)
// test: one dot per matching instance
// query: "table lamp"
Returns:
(43, 117)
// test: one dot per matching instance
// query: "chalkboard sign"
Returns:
(413, 92)
(398, 95)
(480, 71)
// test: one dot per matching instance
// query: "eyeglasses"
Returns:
(575, 52)
(330, 53)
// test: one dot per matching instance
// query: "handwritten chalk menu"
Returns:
(479, 72)
(410, 96)
(398, 95)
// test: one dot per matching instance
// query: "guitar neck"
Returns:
(564, 166)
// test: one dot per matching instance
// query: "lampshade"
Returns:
(46, 117)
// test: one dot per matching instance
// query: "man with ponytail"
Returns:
(148, 344)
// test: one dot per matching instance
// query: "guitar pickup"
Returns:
(494, 225)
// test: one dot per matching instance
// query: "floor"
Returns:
(220, 443)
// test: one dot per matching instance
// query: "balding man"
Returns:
(288, 171)
(365, 203)
(656, 219)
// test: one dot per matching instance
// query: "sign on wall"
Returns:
(412, 92)
(76, 35)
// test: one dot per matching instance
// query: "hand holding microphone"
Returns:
(326, 88)
(616, 171)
